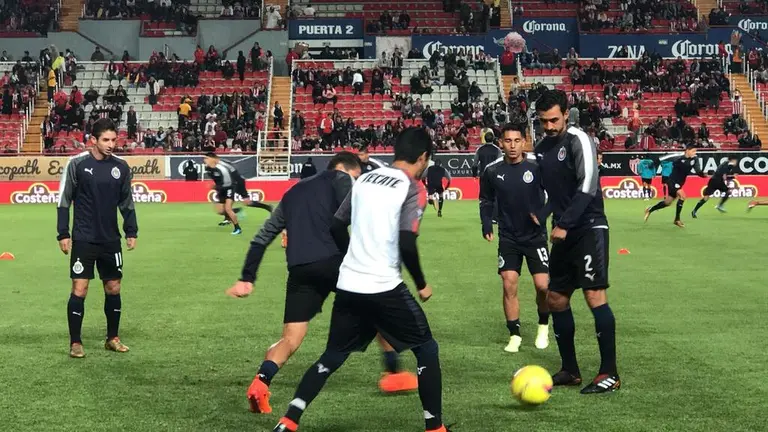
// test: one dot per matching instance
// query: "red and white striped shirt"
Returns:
(736, 105)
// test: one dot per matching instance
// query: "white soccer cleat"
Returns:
(721, 209)
(542, 337)
(514, 344)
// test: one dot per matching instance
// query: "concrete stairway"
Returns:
(281, 92)
(754, 114)
(69, 15)
(33, 142)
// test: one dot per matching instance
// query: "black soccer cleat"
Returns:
(439, 213)
(225, 222)
(693, 214)
(603, 383)
(565, 378)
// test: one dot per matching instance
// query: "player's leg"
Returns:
(110, 266)
(593, 279)
(395, 379)
(561, 286)
(402, 322)
(704, 198)
(219, 209)
(510, 264)
(82, 260)
(679, 209)
(350, 331)
(755, 203)
(671, 195)
(307, 288)
(538, 265)
(232, 216)
(726, 194)
(440, 200)
(646, 189)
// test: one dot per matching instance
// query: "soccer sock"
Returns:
(237, 226)
(430, 383)
(659, 205)
(391, 361)
(605, 328)
(267, 371)
(75, 312)
(261, 205)
(543, 318)
(565, 330)
(440, 203)
(236, 210)
(679, 209)
(646, 191)
(699, 205)
(312, 382)
(724, 199)
(514, 327)
(112, 305)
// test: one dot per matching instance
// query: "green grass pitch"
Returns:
(690, 307)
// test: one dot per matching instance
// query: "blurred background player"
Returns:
(682, 163)
(308, 169)
(666, 171)
(580, 241)
(384, 210)
(755, 203)
(98, 184)
(647, 170)
(485, 154)
(433, 179)
(228, 182)
(313, 258)
(368, 163)
(514, 185)
(718, 182)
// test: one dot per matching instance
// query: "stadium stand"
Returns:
(452, 105)
(220, 105)
(402, 17)
(18, 91)
(28, 18)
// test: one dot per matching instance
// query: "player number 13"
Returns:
(543, 254)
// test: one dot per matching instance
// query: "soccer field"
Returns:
(689, 306)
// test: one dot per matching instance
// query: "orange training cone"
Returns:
(7, 256)
(623, 251)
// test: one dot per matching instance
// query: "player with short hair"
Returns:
(647, 170)
(228, 182)
(367, 162)
(485, 155)
(433, 179)
(579, 255)
(98, 184)
(718, 182)
(682, 163)
(513, 184)
(307, 211)
(384, 209)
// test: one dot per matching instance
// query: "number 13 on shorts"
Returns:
(543, 256)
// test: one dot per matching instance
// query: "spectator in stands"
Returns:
(273, 18)
(277, 113)
(212, 59)
(329, 95)
(97, 55)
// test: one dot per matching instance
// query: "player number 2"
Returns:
(543, 254)
(588, 263)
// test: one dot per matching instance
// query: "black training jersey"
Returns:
(484, 156)
(517, 192)
(723, 172)
(98, 189)
(681, 167)
(371, 165)
(306, 213)
(225, 175)
(568, 166)
(435, 175)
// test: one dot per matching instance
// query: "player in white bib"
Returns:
(384, 209)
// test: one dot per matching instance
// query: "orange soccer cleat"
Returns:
(398, 382)
(258, 397)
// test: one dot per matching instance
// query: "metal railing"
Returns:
(511, 14)
(290, 101)
(269, 94)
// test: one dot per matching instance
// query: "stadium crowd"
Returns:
(637, 15)
(28, 16)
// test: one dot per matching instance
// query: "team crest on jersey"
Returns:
(77, 268)
(692, 162)
(561, 154)
(116, 173)
(501, 261)
(528, 177)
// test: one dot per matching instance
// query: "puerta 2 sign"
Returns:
(545, 34)
(325, 29)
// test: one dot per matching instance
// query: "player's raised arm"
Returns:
(128, 208)
(266, 235)
(341, 221)
(487, 202)
(67, 187)
(410, 219)
(587, 183)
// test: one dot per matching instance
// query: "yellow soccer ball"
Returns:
(532, 385)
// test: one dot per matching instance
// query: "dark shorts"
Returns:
(581, 261)
(431, 190)
(511, 257)
(107, 257)
(673, 187)
(240, 189)
(224, 194)
(646, 181)
(307, 288)
(714, 186)
(664, 179)
(396, 315)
